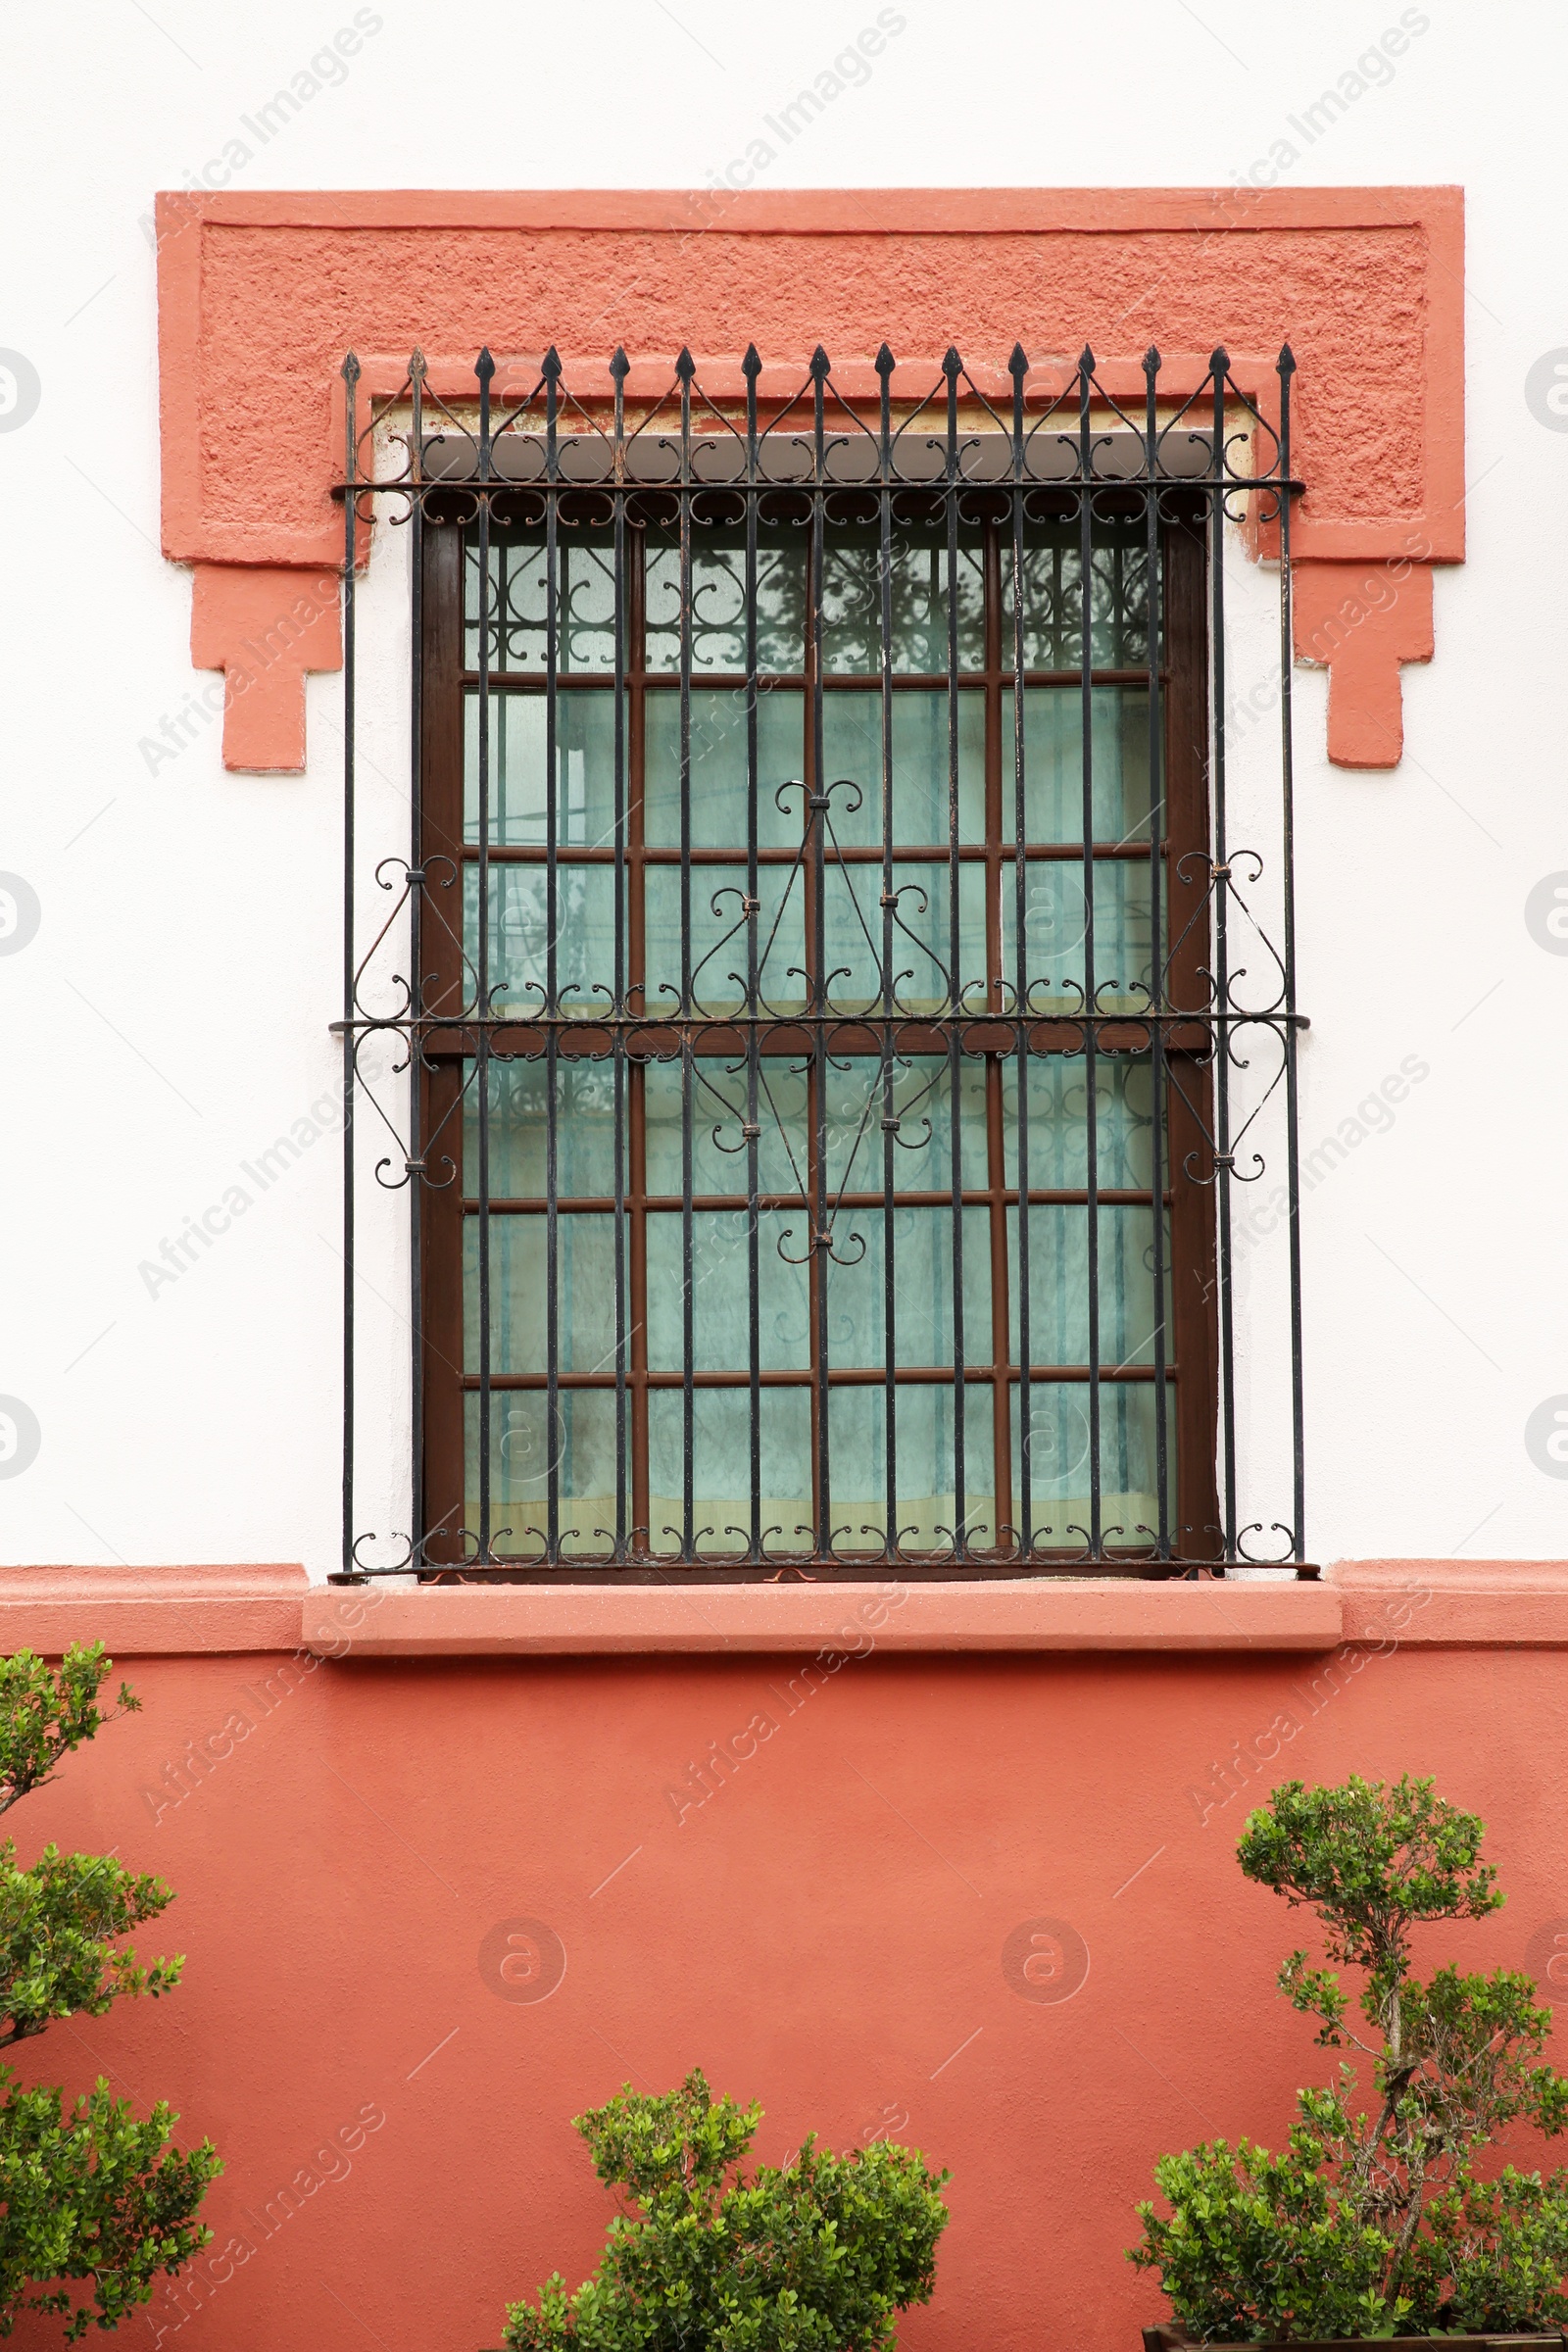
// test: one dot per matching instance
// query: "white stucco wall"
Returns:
(169, 1018)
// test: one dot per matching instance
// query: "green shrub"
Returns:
(815, 2256)
(88, 2193)
(1376, 2222)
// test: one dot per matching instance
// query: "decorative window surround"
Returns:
(258, 295)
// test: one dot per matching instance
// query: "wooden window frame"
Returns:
(1191, 1369)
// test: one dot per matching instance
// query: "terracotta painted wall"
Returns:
(827, 1934)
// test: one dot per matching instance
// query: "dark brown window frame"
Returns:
(1190, 1371)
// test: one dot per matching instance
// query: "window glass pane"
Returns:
(1052, 597)
(718, 781)
(520, 927)
(1057, 1445)
(923, 1094)
(922, 1104)
(1056, 1104)
(1058, 1285)
(718, 601)
(721, 1470)
(585, 770)
(719, 1099)
(851, 601)
(720, 1291)
(924, 1415)
(922, 949)
(922, 1272)
(718, 945)
(851, 749)
(1054, 764)
(585, 1293)
(585, 1129)
(520, 604)
(1055, 932)
(524, 1440)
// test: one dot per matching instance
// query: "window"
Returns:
(816, 1142)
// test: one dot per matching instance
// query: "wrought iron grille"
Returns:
(823, 1015)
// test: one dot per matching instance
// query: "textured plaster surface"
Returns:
(261, 297)
(827, 1929)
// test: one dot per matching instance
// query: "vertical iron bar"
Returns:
(752, 365)
(684, 369)
(816, 994)
(951, 369)
(552, 1410)
(1293, 1179)
(1018, 366)
(619, 369)
(890, 1130)
(1219, 364)
(351, 378)
(417, 1528)
(484, 369)
(1154, 603)
(1086, 658)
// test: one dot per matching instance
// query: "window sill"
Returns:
(1382, 1604)
(595, 1620)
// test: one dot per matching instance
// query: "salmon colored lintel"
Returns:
(260, 294)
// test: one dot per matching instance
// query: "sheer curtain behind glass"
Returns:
(891, 1132)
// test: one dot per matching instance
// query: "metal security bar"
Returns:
(822, 1012)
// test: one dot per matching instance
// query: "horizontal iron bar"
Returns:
(590, 1204)
(848, 1376)
(1134, 1562)
(936, 486)
(671, 1024)
(788, 854)
(836, 681)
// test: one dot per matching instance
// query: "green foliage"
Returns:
(90, 2198)
(815, 2256)
(1375, 2222)
(94, 2194)
(47, 1712)
(57, 1921)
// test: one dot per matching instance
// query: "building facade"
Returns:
(781, 989)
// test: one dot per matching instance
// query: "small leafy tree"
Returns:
(1377, 2222)
(88, 2193)
(815, 2256)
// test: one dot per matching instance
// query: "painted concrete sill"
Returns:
(153, 1612)
(163, 1611)
(1423, 1604)
(1088, 1613)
